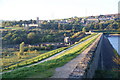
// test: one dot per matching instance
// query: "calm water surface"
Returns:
(115, 41)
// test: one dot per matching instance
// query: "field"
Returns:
(14, 62)
(13, 58)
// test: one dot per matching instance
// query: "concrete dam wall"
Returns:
(100, 57)
(86, 68)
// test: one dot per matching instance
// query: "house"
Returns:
(31, 25)
(90, 20)
(67, 40)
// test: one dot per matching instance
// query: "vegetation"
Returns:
(76, 49)
(17, 23)
(108, 31)
(87, 37)
(116, 59)
(32, 36)
(35, 59)
(41, 56)
(83, 29)
(51, 64)
(107, 74)
(21, 49)
(74, 23)
(14, 33)
(108, 25)
(11, 58)
(76, 35)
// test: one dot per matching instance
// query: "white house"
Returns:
(92, 20)
(67, 39)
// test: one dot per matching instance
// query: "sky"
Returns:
(55, 9)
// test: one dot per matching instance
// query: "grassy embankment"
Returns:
(47, 68)
(43, 56)
(108, 31)
(35, 59)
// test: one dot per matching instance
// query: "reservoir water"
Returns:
(115, 41)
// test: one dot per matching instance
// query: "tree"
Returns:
(31, 21)
(63, 27)
(31, 35)
(96, 26)
(49, 38)
(73, 28)
(101, 26)
(32, 38)
(59, 26)
(20, 23)
(17, 40)
(84, 29)
(21, 49)
(115, 25)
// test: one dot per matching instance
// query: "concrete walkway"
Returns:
(67, 69)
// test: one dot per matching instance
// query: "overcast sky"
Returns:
(54, 9)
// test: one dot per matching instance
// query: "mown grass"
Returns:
(45, 74)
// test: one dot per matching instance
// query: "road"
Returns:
(48, 58)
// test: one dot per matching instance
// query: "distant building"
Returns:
(31, 25)
(67, 40)
(38, 22)
(90, 32)
(102, 19)
(26, 27)
(92, 20)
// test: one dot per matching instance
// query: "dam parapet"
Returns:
(87, 66)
